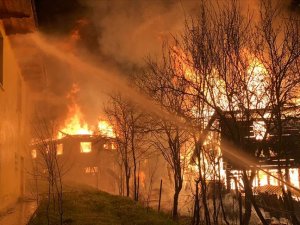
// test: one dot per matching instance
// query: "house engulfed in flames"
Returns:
(275, 155)
(84, 159)
(84, 156)
(264, 152)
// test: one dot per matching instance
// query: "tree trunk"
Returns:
(220, 195)
(138, 184)
(204, 194)
(205, 204)
(175, 204)
(257, 209)
(127, 186)
(127, 180)
(135, 191)
(196, 217)
(215, 212)
(247, 214)
(178, 186)
(288, 201)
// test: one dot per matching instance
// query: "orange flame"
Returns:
(106, 129)
(257, 83)
(74, 124)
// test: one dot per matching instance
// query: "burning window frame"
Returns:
(59, 149)
(85, 147)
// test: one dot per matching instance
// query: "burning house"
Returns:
(83, 160)
(85, 154)
(262, 144)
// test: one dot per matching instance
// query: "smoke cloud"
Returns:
(115, 35)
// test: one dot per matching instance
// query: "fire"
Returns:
(181, 64)
(294, 177)
(74, 124)
(33, 153)
(263, 179)
(259, 129)
(59, 149)
(85, 147)
(106, 129)
(257, 84)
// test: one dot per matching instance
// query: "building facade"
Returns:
(89, 160)
(14, 106)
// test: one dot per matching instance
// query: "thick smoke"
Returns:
(115, 35)
(132, 29)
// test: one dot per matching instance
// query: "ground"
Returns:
(90, 207)
(19, 214)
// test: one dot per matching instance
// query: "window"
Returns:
(110, 146)
(85, 147)
(91, 170)
(59, 149)
(1, 60)
(33, 153)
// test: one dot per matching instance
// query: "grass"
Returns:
(90, 207)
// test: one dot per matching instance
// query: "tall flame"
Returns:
(74, 124)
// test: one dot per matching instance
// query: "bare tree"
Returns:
(151, 172)
(230, 80)
(242, 81)
(278, 47)
(48, 167)
(224, 73)
(127, 121)
(169, 137)
(216, 77)
(117, 113)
